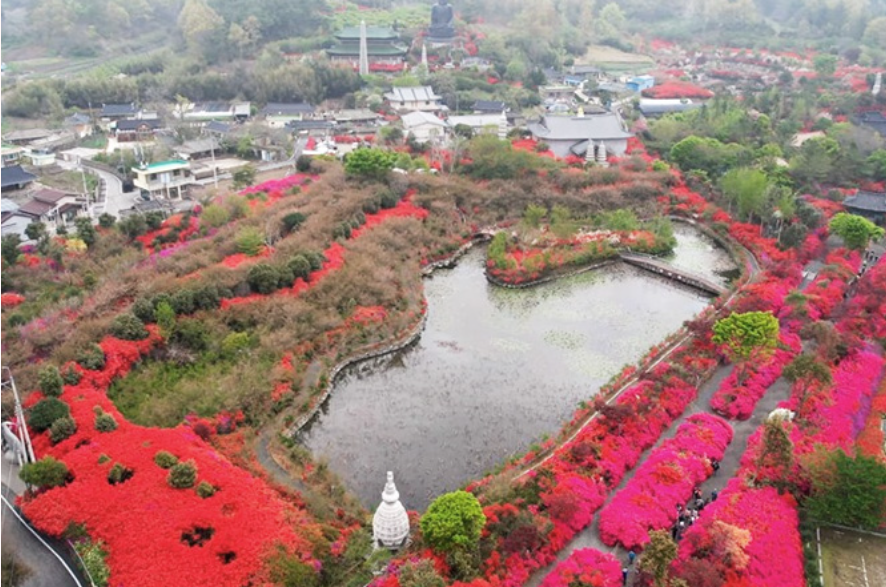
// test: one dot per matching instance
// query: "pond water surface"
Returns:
(494, 371)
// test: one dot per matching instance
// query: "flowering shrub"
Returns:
(749, 537)
(10, 300)
(586, 568)
(248, 521)
(674, 89)
(737, 401)
(665, 478)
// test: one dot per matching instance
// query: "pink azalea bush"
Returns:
(748, 537)
(666, 478)
(586, 567)
(737, 401)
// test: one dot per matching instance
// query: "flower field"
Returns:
(586, 568)
(667, 477)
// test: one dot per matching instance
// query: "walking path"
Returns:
(47, 560)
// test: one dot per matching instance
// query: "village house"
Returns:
(572, 135)
(111, 113)
(165, 179)
(131, 130)
(52, 207)
(641, 82)
(489, 107)
(79, 124)
(16, 178)
(278, 115)
(415, 99)
(424, 127)
(197, 148)
(496, 124)
(26, 136)
(201, 113)
(11, 155)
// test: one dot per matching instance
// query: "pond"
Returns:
(494, 371)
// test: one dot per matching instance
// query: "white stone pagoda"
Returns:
(390, 524)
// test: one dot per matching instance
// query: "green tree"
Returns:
(851, 493)
(876, 165)
(85, 230)
(370, 163)
(249, 241)
(533, 214)
(50, 381)
(128, 327)
(9, 248)
(300, 267)
(165, 317)
(856, 231)
(182, 475)
(45, 473)
(243, 177)
(747, 189)
(46, 412)
(748, 336)
(263, 278)
(453, 521)
(201, 28)
(215, 215)
(825, 65)
(107, 220)
(35, 231)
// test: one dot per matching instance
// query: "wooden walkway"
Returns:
(670, 272)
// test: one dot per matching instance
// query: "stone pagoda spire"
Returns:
(390, 524)
(364, 50)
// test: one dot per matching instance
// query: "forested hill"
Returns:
(89, 27)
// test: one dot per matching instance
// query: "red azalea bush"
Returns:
(674, 89)
(737, 401)
(11, 300)
(747, 537)
(586, 567)
(142, 520)
(667, 477)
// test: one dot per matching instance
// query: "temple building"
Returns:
(390, 524)
(385, 50)
(871, 205)
(603, 134)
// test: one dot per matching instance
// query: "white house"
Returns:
(424, 126)
(496, 124)
(164, 179)
(52, 207)
(414, 99)
(278, 115)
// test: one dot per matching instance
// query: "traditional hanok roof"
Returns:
(412, 94)
(137, 125)
(868, 201)
(15, 175)
(594, 127)
(490, 106)
(50, 196)
(36, 208)
(118, 110)
(414, 119)
(287, 109)
(27, 135)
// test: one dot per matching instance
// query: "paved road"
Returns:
(46, 570)
(115, 199)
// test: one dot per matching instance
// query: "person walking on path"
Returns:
(624, 575)
(631, 556)
(715, 465)
(714, 495)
